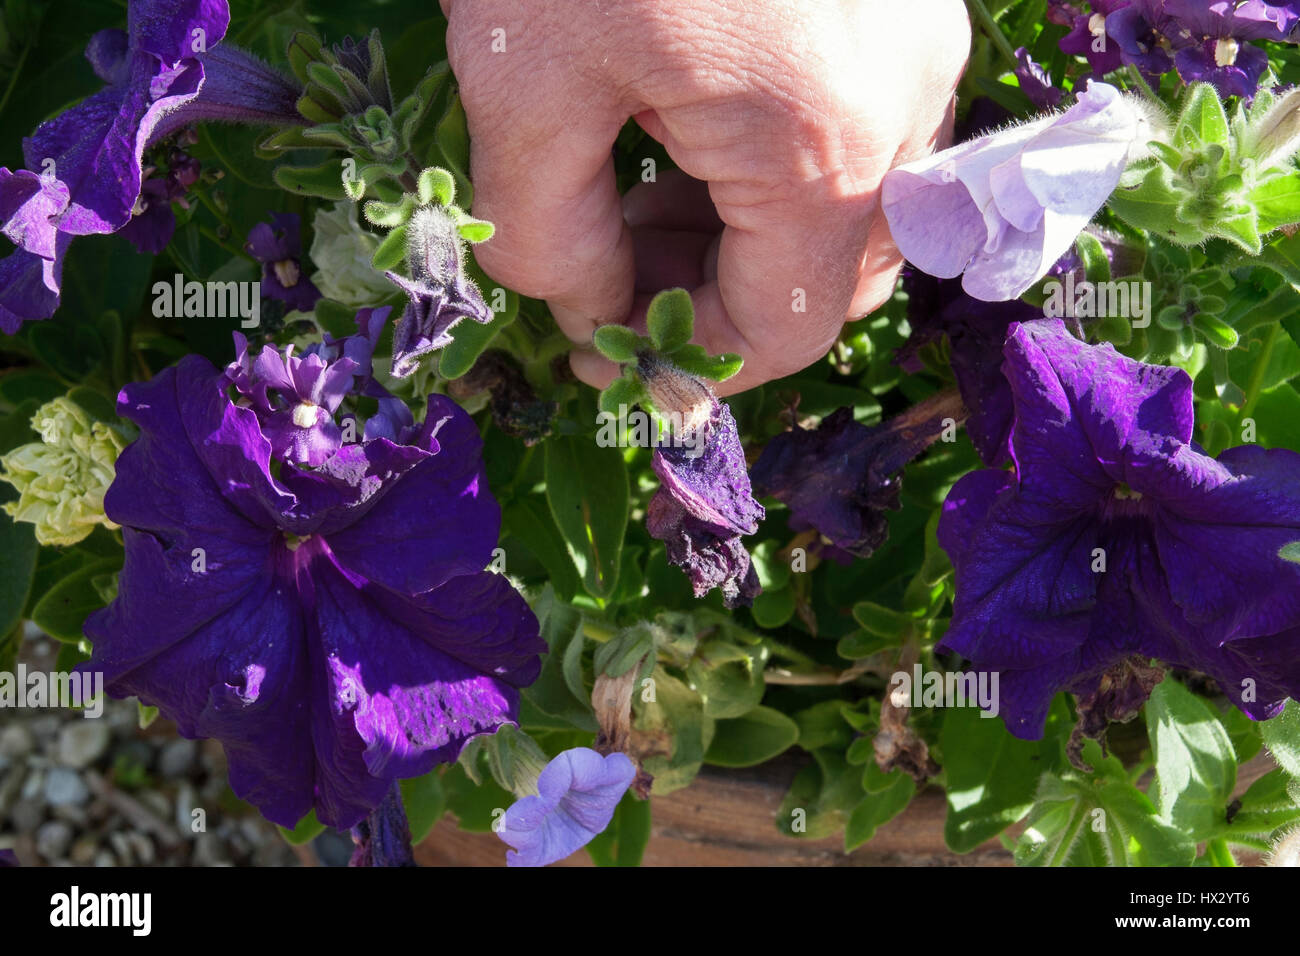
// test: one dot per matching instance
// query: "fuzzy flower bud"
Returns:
(61, 479)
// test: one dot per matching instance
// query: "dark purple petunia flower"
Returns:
(975, 331)
(295, 398)
(704, 502)
(441, 294)
(1089, 36)
(576, 796)
(1115, 536)
(153, 222)
(30, 277)
(1210, 40)
(841, 477)
(278, 246)
(333, 628)
(167, 70)
(1035, 83)
(1139, 40)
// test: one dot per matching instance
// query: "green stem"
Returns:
(13, 79)
(598, 631)
(990, 26)
(1141, 83)
(1217, 852)
(233, 250)
(1257, 373)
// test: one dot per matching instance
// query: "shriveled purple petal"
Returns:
(705, 503)
(842, 477)
(577, 794)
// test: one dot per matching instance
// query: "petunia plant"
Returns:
(282, 462)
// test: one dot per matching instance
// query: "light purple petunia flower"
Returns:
(576, 796)
(1001, 209)
(1116, 537)
(278, 246)
(440, 293)
(167, 70)
(333, 628)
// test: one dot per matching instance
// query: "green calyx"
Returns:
(1218, 178)
(347, 98)
(670, 322)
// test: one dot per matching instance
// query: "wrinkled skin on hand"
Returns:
(783, 115)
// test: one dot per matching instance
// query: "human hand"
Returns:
(783, 115)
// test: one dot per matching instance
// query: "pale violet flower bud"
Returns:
(342, 250)
(1272, 135)
(1001, 209)
(61, 479)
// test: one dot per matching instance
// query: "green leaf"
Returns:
(630, 647)
(304, 831)
(881, 621)
(1098, 819)
(475, 230)
(1092, 254)
(729, 678)
(391, 251)
(1282, 737)
(694, 360)
(1196, 766)
(587, 490)
(676, 717)
(452, 136)
(476, 805)
(528, 520)
(1290, 552)
(623, 842)
(823, 725)
(559, 690)
(992, 775)
(875, 810)
(1277, 202)
(436, 184)
(1241, 229)
(1263, 809)
(617, 343)
(1202, 120)
(746, 741)
(621, 395)
(1152, 203)
(670, 319)
(64, 608)
(820, 798)
(772, 608)
(18, 552)
(324, 180)
(387, 214)
(862, 643)
(1217, 332)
